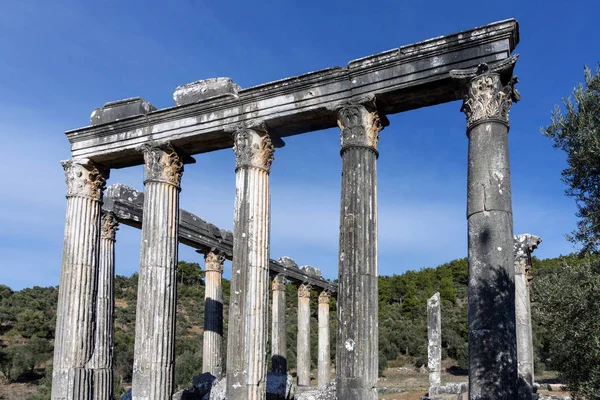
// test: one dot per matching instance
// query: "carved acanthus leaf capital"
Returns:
(524, 245)
(304, 291)
(324, 297)
(214, 261)
(110, 225)
(85, 179)
(253, 148)
(163, 164)
(279, 282)
(360, 125)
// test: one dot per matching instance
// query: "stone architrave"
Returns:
(72, 377)
(102, 359)
(489, 94)
(357, 337)
(247, 333)
(154, 353)
(278, 329)
(324, 359)
(212, 357)
(524, 245)
(434, 349)
(303, 339)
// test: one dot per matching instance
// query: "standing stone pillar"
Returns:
(102, 360)
(357, 347)
(434, 349)
(524, 246)
(324, 357)
(74, 339)
(212, 358)
(154, 353)
(492, 341)
(247, 333)
(303, 345)
(278, 328)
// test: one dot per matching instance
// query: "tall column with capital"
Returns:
(212, 358)
(72, 377)
(491, 289)
(356, 354)
(524, 246)
(278, 328)
(102, 360)
(247, 333)
(303, 339)
(324, 358)
(154, 352)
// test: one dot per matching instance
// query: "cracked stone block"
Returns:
(204, 89)
(120, 109)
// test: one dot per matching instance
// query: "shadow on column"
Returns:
(279, 364)
(213, 308)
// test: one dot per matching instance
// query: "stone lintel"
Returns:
(205, 89)
(120, 109)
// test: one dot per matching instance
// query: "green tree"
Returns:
(32, 322)
(189, 273)
(577, 132)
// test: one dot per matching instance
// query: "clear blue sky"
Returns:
(61, 59)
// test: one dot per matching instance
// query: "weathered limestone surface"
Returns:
(357, 347)
(524, 245)
(72, 377)
(247, 333)
(212, 358)
(102, 359)
(117, 110)
(278, 328)
(205, 89)
(303, 339)
(324, 359)
(154, 353)
(402, 79)
(434, 349)
(489, 94)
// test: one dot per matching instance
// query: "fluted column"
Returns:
(72, 377)
(492, 341)
(357, 347)
(434, 348)
(324, 357)
(212, 358)
(278, 328)
(524, 246)
(247, 333)
(154, 353)
(102, 360)
(303, 339)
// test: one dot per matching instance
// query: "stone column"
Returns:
(102, 360)
(278, 329)
(154, 353)
(247, 333)
(434, 349)
(491, 288)
(356, 355)
(324, 357)
(303, 342)
(524, 246)
(74, 338)
(212, 358)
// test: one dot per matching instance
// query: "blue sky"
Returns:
(62, 59)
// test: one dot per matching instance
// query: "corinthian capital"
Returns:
(359, 125)
(279, 282)
(109, 225)
(214, 261)
(85, 179)
(162, 164)
(524, 245)
(304, 291)
(324, 297)
(253, 148)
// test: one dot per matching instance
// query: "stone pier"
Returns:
(247, 333)
(357, 347)
(102, 360)
(324, 358)
(278, 328)
(72, 376)
(303, 345)
(489, 94)
(524, 246)
(212, 357)
(154, 353)
(434, 349)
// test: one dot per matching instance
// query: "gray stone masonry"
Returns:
(324, 358)
(117, 110)
(72, 376)
(357, 337)
(205, 89)
(434, 348)
(303, 339)
(247, 333)
(278, 328)
(524, 245)
(489, 94)
(154, 353)
(212, 357)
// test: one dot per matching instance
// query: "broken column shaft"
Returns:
(154, 354)
(324, 358)
(72, 377)
(212, 358)
(434, 349)
(357, 347)
(278, 328)
(303, 339)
